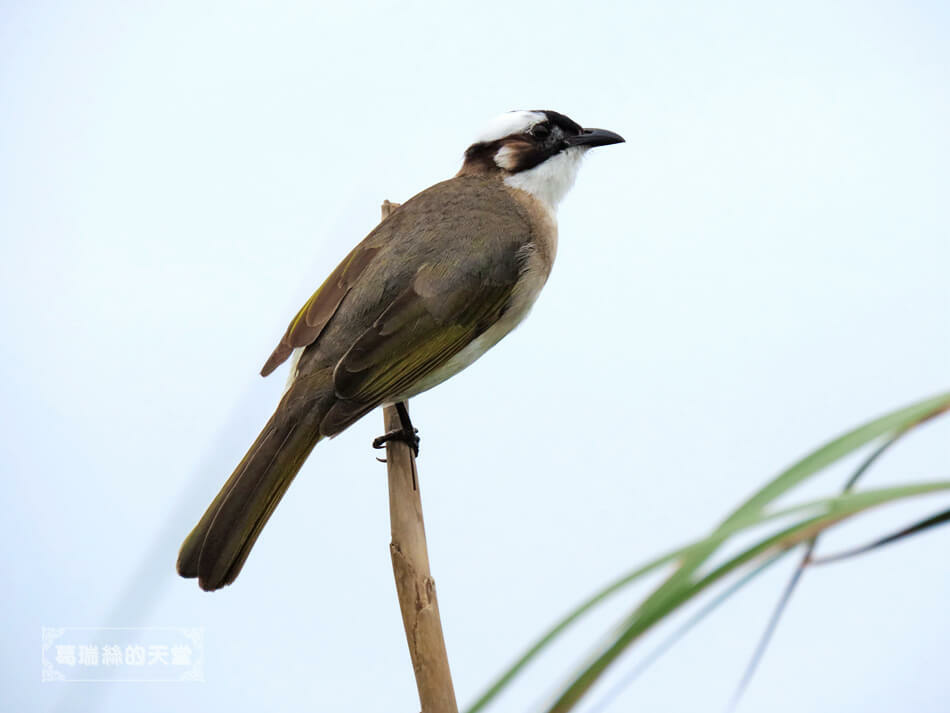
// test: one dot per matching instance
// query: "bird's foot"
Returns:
(409, 437)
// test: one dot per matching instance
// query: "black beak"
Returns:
(594, 137)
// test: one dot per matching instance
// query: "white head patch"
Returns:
(512, 122)
(550, 180)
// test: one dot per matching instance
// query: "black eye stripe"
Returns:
(568, 125)
(540, 131)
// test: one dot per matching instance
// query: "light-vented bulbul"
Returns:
(425, 294)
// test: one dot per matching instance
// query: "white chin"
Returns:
(550, 181)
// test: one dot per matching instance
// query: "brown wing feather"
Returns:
(419, 288)
(428, 324)
(305, 328)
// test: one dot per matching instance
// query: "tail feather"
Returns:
(218, 546)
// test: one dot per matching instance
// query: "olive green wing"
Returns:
(428, 280)
(313, 317)
(442, 311)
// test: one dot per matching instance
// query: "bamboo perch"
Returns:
(414, 583)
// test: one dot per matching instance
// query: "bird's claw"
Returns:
(401, 435)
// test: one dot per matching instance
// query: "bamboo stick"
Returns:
(415, 586)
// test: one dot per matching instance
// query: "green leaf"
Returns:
(892, 424)
(564, 623)
(748, 514)
(656, 608)
(783, 601)
(941, 518)
(840, 447)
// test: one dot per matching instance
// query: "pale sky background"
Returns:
(763, 265)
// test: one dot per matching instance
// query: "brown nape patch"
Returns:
(480, 159)
(513, 155)
(519, 153)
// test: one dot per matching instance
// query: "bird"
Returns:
(435, 285)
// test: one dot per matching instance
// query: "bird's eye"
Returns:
(540, 131)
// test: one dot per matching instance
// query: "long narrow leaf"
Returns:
(692, 556)
(894, 423)
(838, 509)
(772, 625)
(941, 518)
(684, 629)
(564, 623)
(862, 500)
(840, 447)
(796, 577)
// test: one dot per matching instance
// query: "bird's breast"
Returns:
(534, 273)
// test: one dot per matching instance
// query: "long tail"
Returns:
(216, 549)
